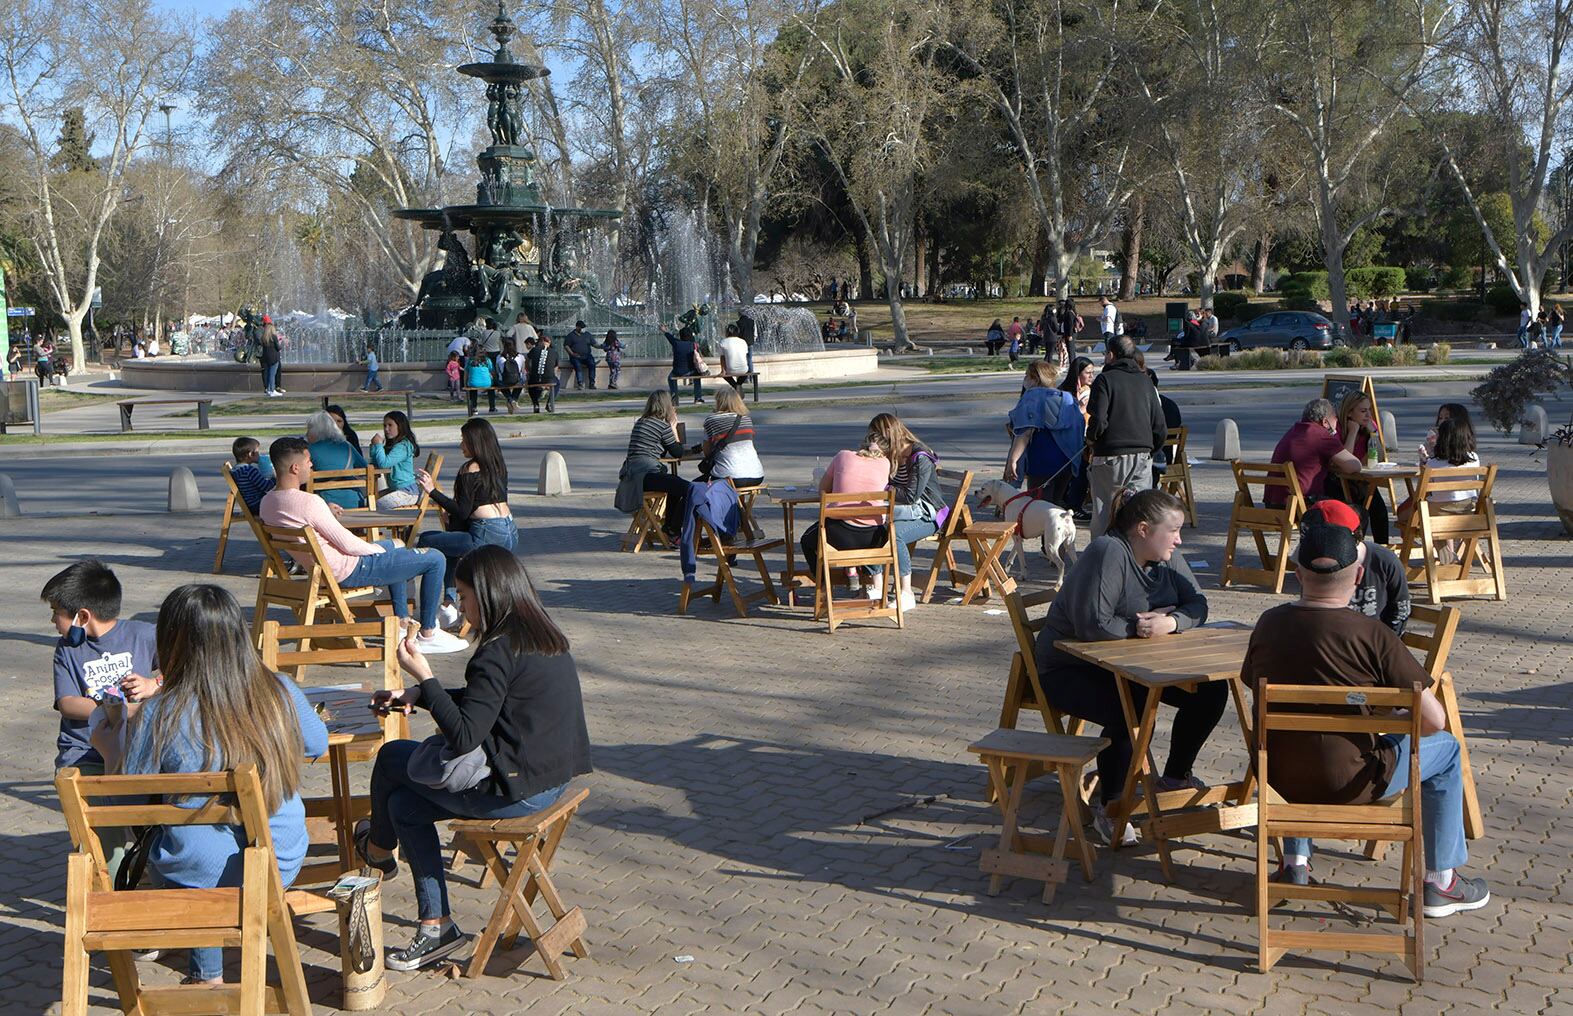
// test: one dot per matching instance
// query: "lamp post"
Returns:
(1567, 208)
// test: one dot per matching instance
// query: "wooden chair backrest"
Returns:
(235, 498)
(1476, 481)
(1250, 475)
(1436, 644)
(873, 504)
(318, 574)
(955, 484)
(1026, 629)
(433, 467)
(350, 647)
(1334, 698)
(1175, 442)
(360, 478)
(235, 798)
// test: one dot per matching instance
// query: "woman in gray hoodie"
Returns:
(1129, 583)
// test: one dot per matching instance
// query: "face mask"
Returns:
(76, 635)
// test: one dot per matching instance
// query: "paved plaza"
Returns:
(737, 760)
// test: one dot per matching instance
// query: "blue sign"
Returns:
(19, 312)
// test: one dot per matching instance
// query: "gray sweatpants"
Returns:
(1110, 474)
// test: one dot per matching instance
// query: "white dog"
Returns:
(1052, 526)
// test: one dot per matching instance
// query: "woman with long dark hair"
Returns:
(477, 515)
(397, 456)
(337, 412)
(220, 708)
(1078, 381)
(520, 706)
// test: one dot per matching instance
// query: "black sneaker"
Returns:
(424, 949)
(387, 867)
(1463, 894)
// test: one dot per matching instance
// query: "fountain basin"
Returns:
(169, 373)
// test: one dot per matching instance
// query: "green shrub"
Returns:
(1459, 276)
(1406, 355)
(1297, 297)
(1502, 300)
(1454, 310)
(1314, 282)
(1374, 282)
(1303, 358)
(1378, 356)
(1343, 358)
(1210, 362)
(1439, 353)
(1230, 306)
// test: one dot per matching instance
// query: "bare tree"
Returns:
(114, 60)
(1336, 77)
(1510, 55)
(1049, 68)
(880, 78)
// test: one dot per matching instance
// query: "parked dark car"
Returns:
(1285, 329)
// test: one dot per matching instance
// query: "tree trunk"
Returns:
(865, 268)
(1333, 259)
(919, 264)
(78, 348)
(1264, 247)
(1037, 284)
(935, 272)
(1131, 250)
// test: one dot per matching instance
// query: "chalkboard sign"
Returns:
(1336, 386)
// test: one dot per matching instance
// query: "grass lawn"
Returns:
(52, 399)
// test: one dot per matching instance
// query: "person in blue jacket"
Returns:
(683, 365)
(1047, 434)
(397, 456)
(220, 708)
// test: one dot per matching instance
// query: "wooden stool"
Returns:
(1009, 754)
(988, 541)
(646, 523)
(536, 837)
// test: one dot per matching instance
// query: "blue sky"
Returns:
(204, 8)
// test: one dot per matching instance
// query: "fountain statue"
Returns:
(524, 256)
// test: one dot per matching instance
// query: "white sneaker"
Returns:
(1104, 827)
(909, 601)
(440, 641)
(447, 616)
(278, 391)
(875, 589)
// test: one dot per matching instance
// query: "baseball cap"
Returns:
(1323, 541)
(1333, 513)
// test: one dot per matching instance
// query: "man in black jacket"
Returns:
(541, 372)
(1126, 429)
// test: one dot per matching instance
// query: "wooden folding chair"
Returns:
(418, 511)
(249, 917)
(230, 514)
(1433, 646)
(745, 504)
(1254, 517)
(1176, 478)
(646, 523)
(955, 485)
(1289, 707)
(313, 591)
(879, 505)
(361, 479)
(708, 543)
(1024, 689)
(536, 838)
(1427, 527)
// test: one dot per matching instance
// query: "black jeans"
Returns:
(676, 490)
(842, 535)
(491, 400)
(543, 385)
(1088, 691)
(1376, 511)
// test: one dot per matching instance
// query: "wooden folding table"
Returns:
(346, 712)
(789, 498)
(1184, 660)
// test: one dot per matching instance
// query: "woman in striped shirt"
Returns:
(729, 438)
(919, 500)
(654, 438)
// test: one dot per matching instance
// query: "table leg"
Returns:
(1243, 711)
(343, 806)
(789, 577)
(1011, 810)
(1141, 728)
(985, 558)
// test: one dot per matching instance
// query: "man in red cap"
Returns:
(1383, 589)
(1318, 640)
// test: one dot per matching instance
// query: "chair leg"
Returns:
(73, 997)
(509, 881)
(223, 535)
(256, 881)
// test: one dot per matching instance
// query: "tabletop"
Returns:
(1387, 470)
(346, 712)
(792, 495)
(365, 518)
(1209, 653)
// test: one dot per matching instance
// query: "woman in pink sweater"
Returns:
(862, 471)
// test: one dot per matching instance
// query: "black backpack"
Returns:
(510, 372)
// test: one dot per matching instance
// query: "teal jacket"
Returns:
(399, 460)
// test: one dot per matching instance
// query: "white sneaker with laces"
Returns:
(909, 601)
(440, 641)
(875, 588)
(447, 616)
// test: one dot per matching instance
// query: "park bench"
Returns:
(408, 393)
(738, 380)
(127, 405)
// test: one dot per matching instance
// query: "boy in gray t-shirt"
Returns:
(98, 656)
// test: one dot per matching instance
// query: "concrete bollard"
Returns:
(1389, 431)
(10, 507)
(183, 494)
(1226, 441)
(1535, 428)
(553, 477)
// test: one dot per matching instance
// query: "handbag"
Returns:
(432, 764)
(707, 464)
(133, 864)
(700, 366)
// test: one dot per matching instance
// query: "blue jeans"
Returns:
(453, 546)
(671, 385)
(1441, 799)
(396, 566)
(371, 382)
(1554, 337)
(270, 376)
(910, 530)
(1523, 336)
(206, 963)
(582, 365)
(405, 814)
(750, 357)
